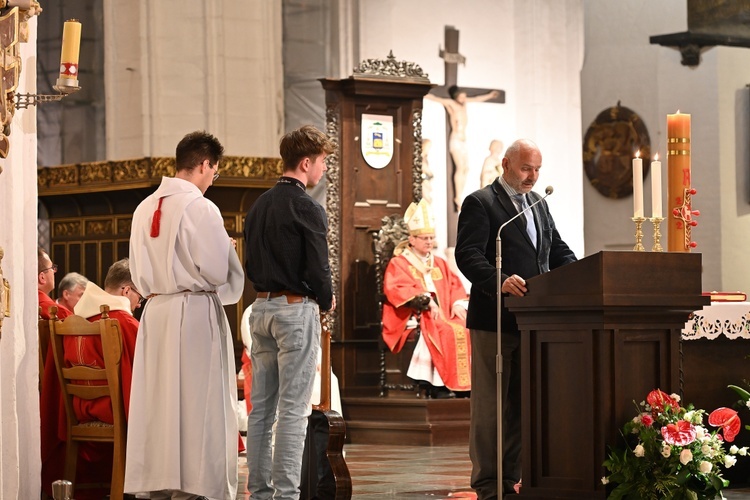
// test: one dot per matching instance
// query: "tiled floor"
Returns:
(404, 472)
(413, 473)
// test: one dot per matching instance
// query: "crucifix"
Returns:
(454, 99)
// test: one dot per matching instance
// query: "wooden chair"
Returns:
(392, 232)
(91, 383)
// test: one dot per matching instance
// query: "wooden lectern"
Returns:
(596, 335)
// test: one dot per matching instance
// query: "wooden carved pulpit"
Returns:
(375, 117)
(596, 335)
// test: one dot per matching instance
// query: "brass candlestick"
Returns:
(638, 233)
(656, 221)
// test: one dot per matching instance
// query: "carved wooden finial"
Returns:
(104, 308)
(53, 313)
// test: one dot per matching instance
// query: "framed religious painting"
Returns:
(611, 142)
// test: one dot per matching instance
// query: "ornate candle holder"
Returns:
(638, 233)
(656, 221)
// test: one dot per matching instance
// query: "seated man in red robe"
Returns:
(442, 356)
(95, 459)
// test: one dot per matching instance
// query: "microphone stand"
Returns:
(499, 358)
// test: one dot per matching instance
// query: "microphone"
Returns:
(547, 191)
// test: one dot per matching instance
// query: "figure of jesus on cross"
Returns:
(454, 99)
(455, 106)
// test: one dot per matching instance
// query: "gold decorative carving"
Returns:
(4, 294)
(98, 227)
(11, 68)
(96, 173)
(80, 177)
(390, 69)
(13, 29)
(130, 170)
(162, 167)
(416, 173)
(68, 228)
(123, 226)
(249, 167)
(333, 209)
(230, 223)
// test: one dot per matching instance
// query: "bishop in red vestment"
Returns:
(442, 356)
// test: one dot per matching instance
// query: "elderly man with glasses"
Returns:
(419, 283)
(45, 285)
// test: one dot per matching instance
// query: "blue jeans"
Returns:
(286, 340)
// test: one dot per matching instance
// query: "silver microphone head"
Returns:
(548, 190)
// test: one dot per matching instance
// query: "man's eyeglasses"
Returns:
(53, 267)
(216, 175)
(425, 238)
(140, 297)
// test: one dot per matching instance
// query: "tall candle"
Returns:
(71, 47)
(637, 185)
(678, 181)
(656, 187)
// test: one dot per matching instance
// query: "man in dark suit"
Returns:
(531, 246)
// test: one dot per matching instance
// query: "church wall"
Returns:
(20, 463)
(499, 39)
(621, 65)
(218, 68)
(734, 166)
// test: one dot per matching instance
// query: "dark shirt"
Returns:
(285, 243)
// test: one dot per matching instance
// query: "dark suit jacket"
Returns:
(482, 214)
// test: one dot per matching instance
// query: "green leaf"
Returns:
(742, 392)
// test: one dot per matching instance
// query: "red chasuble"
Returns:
(447, 336)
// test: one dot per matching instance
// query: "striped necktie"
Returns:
(529, 216)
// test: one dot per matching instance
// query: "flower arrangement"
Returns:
(670, 454)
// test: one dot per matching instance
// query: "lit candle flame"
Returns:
(656, 157)
(638, 154)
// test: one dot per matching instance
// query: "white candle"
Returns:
(656, 187)
(637, 185)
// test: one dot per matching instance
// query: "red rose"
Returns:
(647, 420)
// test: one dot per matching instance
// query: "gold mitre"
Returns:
(420, 219)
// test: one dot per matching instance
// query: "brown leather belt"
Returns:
(291, 297)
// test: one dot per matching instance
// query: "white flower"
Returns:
(700, 433)
(675, 397)
(605, 480)
(706, 467)
(729, 460)
(743, 451)
(689, 416)
(734, 450)
(637, 420)
(666, 450)
(747, 403)
(686, 456)
(707, 450)
(639, 451)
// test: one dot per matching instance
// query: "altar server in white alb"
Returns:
(182, 429)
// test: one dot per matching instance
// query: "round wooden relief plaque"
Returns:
(609, 147)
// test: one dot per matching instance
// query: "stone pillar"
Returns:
(20, 461)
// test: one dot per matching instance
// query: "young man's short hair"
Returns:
(196, 147)
(118, 275)
(304, 142)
